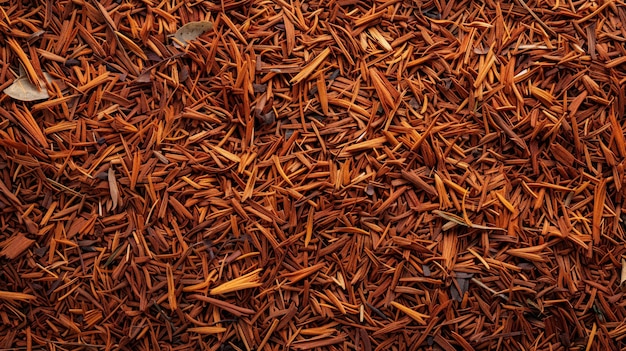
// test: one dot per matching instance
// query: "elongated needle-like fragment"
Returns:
(15, 296)
(247, 281)
(418, 317)
(310, 68)
(622, 282)
(207, 330)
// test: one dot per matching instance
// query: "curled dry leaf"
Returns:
(22, 89)
(115, 193)
(192, 30)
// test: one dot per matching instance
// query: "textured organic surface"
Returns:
(348, 175)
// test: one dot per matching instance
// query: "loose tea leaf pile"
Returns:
(341, 175)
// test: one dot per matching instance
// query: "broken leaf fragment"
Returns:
(22, 89)
(192, 31)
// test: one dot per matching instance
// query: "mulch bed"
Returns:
(341, 175)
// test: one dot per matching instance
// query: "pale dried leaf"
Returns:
(22, 89)
(192, 31)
